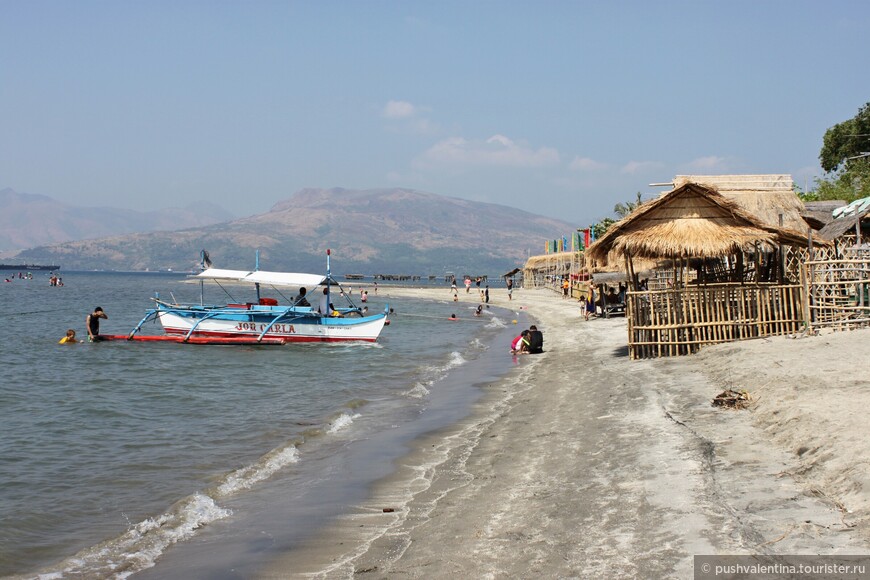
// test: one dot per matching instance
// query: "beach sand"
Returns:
(582, 462)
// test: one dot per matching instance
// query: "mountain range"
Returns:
(28, 220)
(375, 231)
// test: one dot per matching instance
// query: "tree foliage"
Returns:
(844, 140)
(623, 209)
(601, 226)
(848, 172)
(846, 185)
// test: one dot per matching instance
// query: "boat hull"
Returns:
(252, 324)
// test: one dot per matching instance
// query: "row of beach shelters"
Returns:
(722, 244)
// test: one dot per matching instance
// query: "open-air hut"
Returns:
(542, 271)
(727, 281)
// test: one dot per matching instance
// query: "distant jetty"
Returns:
(27, 267)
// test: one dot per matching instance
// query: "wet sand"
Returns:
(582, 462)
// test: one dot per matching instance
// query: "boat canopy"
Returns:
(263, 277)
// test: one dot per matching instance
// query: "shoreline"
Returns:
(584, 462)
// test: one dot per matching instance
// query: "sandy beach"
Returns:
(582, 462)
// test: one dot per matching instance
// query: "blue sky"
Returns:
(558, 108)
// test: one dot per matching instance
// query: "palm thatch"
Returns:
(818, 214)
(692, 220)
(770, 198)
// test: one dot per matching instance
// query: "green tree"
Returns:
(846, 140)
(600, 227)
(842, 157)
(622, 209)
(846, 185)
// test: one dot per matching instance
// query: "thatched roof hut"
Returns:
(818, 214)
(692, 220)
(770, 198)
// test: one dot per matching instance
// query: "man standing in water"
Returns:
(92, 322)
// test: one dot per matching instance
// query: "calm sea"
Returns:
(114, 456)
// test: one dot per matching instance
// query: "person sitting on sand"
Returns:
(70, 337)
(520, 344)
(536, 340)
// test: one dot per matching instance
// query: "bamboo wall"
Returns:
(837, 293)
(679, 321)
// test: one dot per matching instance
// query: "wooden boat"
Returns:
(263, 320)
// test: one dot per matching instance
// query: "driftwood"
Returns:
(732, 399)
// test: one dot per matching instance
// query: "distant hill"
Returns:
(377, 231)
(28, 220)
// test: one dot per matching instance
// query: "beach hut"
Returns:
(547, 270)
(727, 280)
(837, 282)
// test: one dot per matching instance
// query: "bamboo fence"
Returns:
(836, 293)
(679, 321)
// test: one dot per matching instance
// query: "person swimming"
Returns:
(70, 337)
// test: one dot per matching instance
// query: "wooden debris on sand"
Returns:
(732, 399)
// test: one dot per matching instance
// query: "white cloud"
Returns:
(586, 164)
(633, 167)
(399, 110)
(709, 163)
(496, 151)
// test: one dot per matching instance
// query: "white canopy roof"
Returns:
(263, 277)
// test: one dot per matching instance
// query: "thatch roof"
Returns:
(818, 214)
(838, 227)
(554, 259)
(692, 220)
(767, 197)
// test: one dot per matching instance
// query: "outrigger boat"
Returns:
(264, 321)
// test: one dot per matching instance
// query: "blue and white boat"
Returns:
(264, 320)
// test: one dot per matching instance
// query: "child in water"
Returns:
(70, 337)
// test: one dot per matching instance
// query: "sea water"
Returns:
(115, 456)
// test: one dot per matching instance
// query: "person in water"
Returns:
(70, 337)
(519, 345)
(92, 323)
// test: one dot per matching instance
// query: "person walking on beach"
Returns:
(92, 323)
(590, 301)
(510, 287)
(486, 294)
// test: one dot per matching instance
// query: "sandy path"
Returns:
(585, 463)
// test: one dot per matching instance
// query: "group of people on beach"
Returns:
(529, 341)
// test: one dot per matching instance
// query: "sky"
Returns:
(560, 108)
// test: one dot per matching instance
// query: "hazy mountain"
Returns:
(379, 231)
(28, 220)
